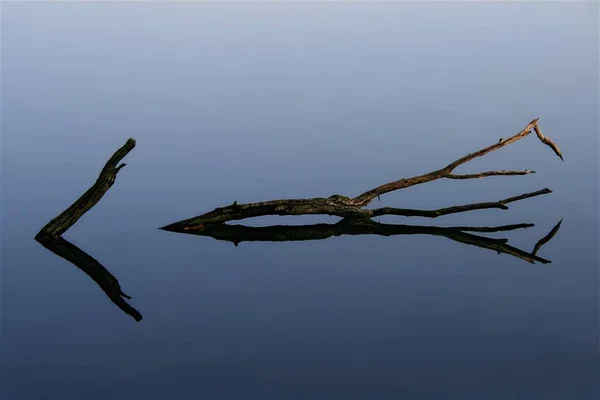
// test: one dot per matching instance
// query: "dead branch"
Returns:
(360, 226)
(346, 207)
(446, 172)
(92, 196)
(50, 235)
(501, 204)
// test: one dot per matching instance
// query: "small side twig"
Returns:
(547, 141)
(446, 172)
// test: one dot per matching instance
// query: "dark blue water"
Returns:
(252, 102)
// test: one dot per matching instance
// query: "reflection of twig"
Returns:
(546, 238)
(92, 268)
(347, 207)
(360, 226)
(69, 217)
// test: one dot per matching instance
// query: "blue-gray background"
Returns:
(250, 102)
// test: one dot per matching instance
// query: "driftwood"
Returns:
(346, 207)
(50, 235)
(92, 196)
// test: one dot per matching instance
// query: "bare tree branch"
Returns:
(50, 235)
(92, 196)
(548, 141)
(446, 172)
(489, 173)
(346, 207)
(501, 204)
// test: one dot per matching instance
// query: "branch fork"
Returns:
(347, 207)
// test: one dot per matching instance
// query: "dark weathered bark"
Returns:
(346, 207)
(50, 235)
(360, 226)
(69, 217)
(107, 282)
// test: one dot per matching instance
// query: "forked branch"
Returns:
(346, 207)
(446, 172)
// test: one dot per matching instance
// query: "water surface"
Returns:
(252, 102)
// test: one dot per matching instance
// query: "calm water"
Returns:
(252, 102)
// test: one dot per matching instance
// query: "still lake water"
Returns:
(252, 102)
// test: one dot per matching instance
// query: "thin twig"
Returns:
(489, 173)
(446, 172)
(500, 204)
(548, 141)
